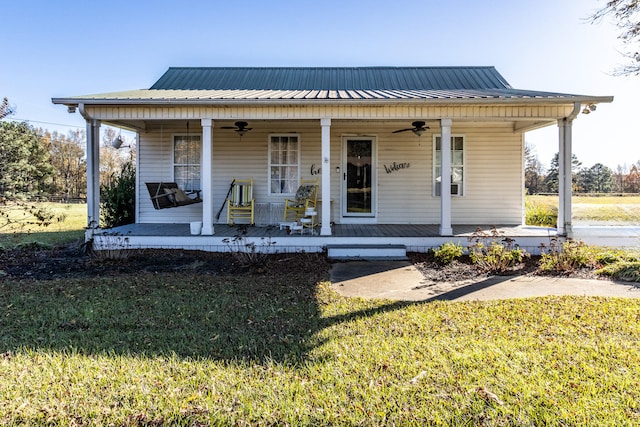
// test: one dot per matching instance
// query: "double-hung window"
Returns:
(284, 163)
(457, 165)
(187, 151)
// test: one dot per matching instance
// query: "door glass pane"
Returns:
(358, 176)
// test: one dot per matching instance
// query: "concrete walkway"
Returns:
(400, 280)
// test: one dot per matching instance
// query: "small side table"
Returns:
(308, 222)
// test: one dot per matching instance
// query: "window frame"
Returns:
(190, 136)
(270, 165)
(462, 166)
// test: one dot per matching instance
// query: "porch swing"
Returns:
(166, 195)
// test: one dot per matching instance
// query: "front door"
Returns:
(358, 177)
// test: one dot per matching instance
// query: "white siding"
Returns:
(154, 165)
(493, 169)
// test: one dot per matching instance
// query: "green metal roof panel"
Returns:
(331, 78)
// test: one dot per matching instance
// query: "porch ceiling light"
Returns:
(589, 108)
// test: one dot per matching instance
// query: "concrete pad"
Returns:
(400, 280)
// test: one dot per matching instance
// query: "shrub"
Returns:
(566, 257)
(118, 204)
(540, 214)
(447, 252)
(494, 253)
(624, 270)
(35, 245)
(248, 254)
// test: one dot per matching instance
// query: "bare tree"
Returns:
(627, 16)
(6, 109)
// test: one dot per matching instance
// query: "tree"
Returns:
(632, 179)
(111, 160)
(596, 179)
(6, 109)
(24, 161)
(533, 170)
(68, 158)
(551, 180)
(627, 16)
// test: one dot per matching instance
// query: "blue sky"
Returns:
(68, 47)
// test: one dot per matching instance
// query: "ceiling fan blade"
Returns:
(401, 130)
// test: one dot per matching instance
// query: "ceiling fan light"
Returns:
(241, 132)
(418, 132)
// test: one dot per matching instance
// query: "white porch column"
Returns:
(206, 177)
(445, 178)
(565, 227)
(93, 173)
(325, 229)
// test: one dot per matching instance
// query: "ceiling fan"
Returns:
(240, 128)
(418, 128)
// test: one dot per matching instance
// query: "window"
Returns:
(186, 161)
(457, 165)
(284, 163)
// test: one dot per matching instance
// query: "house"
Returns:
(377, 139)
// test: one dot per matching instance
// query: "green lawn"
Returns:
(18, 229)
(283, 349)
(592, 209)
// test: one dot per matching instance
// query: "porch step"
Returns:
(367, 252)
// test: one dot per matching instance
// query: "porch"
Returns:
(415, 237)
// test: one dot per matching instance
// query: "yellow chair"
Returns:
(305, 199)
(240, 204)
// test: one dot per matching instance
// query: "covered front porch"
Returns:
(273, 239)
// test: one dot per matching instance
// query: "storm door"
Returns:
(358, 177)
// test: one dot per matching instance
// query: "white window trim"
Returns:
(271, 135)
(464, 165)
(173, 155)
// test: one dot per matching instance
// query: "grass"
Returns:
(592, 209)
(189, 349)
(19, 232)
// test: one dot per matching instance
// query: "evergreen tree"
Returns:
(551, 180)
(24, 161)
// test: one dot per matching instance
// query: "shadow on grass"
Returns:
(222, 317)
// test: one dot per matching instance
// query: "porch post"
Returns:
(564, 177)
(206, 177)
(325, 229)
(445, 178)
(93, 173)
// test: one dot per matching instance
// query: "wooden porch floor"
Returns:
(338, 230)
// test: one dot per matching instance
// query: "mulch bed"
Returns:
(71, 261)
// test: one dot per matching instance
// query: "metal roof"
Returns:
(255, 85)
(331, 78)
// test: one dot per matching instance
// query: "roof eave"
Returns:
(75, 102)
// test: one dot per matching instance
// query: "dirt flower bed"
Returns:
(71, 261)
(464, 269)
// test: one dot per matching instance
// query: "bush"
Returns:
(566, 257)
(493, 253)
(540, 214)
(620, 264)
(624, 270)
(118, 204)
(447, 252)
(248, 254)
